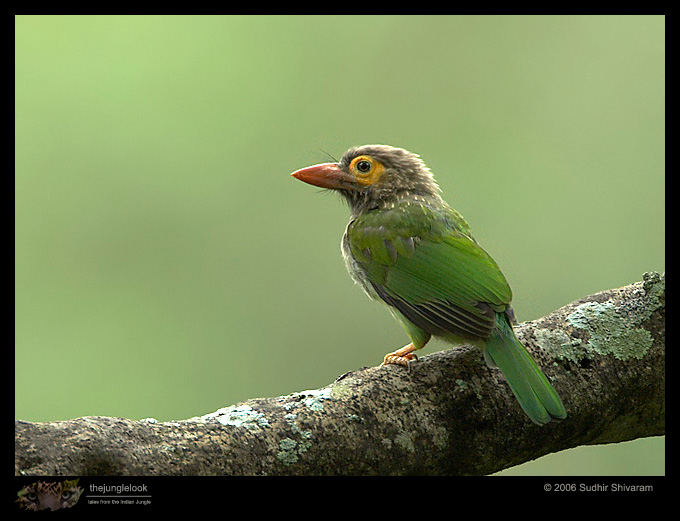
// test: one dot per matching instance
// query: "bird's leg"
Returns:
(401, 356)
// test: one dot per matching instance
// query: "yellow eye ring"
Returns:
(366, 170)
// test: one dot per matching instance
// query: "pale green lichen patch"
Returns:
(290, 418)
(404, 440)
(288, 453)
(313, 399)
(239, 416)
(613, 328)
(654, 286)
(561, 346)
(290, 449)
(610, 332)
(287, 444)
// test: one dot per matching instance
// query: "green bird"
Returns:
(410, 250)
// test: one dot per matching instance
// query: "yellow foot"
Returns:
(401, 356)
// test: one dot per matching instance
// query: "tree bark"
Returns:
(448, 415)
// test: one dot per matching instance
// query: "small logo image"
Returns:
(57, 495)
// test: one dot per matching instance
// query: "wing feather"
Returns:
(420, 262)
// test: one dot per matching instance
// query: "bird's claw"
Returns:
(403, 357)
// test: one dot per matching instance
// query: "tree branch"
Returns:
(449, 414)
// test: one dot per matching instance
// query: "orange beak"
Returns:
(326, 175)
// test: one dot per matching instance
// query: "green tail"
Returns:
(528, 383)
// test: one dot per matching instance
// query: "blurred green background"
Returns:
(168, 265)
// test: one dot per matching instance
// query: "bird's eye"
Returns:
(366, 170)
(363, 166)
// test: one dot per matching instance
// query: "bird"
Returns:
(407, 248)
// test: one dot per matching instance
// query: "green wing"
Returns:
(421, 260)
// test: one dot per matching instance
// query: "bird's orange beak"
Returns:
(326, 175)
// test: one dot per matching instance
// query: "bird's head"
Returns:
(370, 176)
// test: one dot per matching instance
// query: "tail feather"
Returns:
(538, 398)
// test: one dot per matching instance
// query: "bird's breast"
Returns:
(354, 268)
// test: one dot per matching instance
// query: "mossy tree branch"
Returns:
(449, 414)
